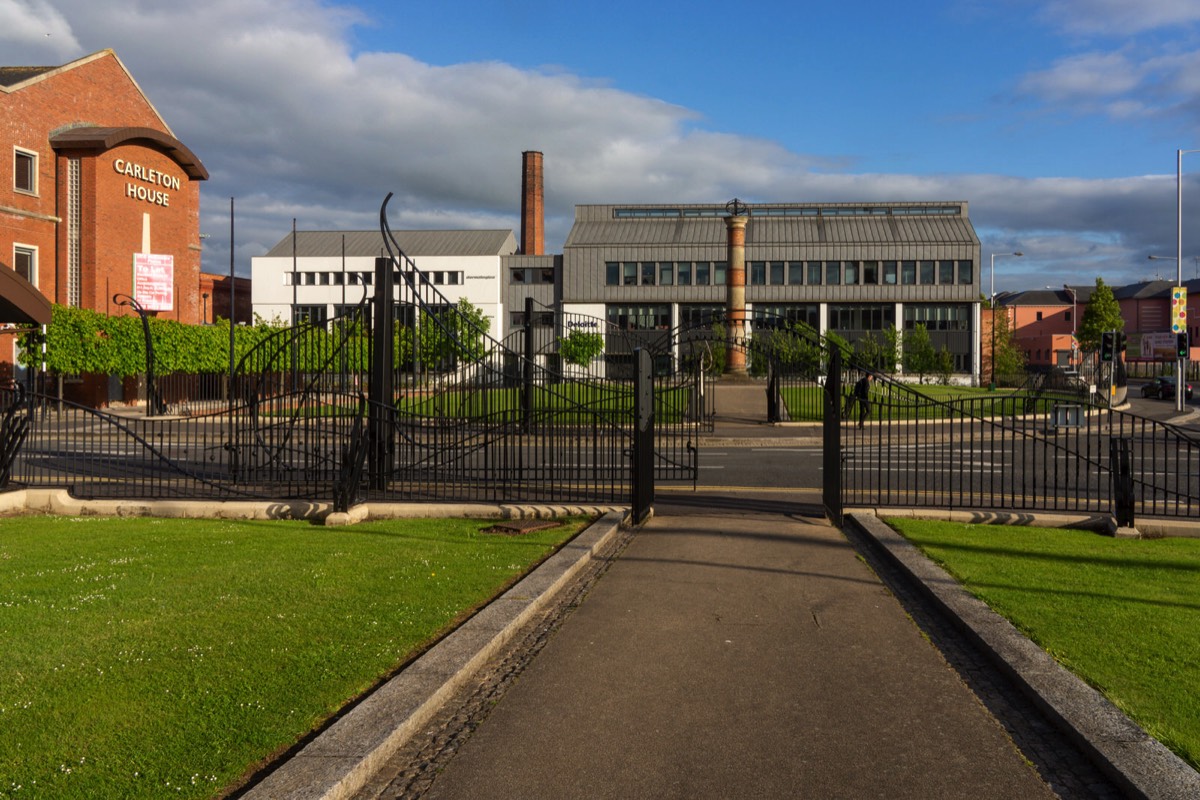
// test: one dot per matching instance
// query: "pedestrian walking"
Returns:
(862, 394)
(848, 404)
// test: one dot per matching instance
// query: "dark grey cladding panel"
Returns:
(530, 262)
(657, 294)
(647, 232)
(514, 293)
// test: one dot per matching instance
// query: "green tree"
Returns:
(793, 348)
(945, 365)
(445, 337)
(798, 348)
(920, 357)
(1008, 359)
(1102, 313)
(835, 339)
(879, 353)
(580, 347)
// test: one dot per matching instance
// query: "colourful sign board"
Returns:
(154, 281)
(1179, 309)
(1151, 347)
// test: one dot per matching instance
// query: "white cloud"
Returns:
(1119, 17)
(1135, 83)
(295, 124)
(1086, 76)
(35, 27)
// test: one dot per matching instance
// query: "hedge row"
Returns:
(82, 341)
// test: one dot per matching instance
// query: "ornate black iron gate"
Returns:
(403, 398)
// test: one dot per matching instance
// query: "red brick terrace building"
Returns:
(97, 196)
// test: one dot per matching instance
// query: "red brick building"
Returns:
(97, 196)
(215, 297)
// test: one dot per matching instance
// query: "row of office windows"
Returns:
(764, 316)
(790, 211)
(854, 273)
(541, 319)
(942, 272)
(841, 317)
(664, 273)
(437, 278)
(949, 324)
(319, 313)
(531, 275)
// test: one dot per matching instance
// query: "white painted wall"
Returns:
(272, 296)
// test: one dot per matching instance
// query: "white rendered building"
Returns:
(316, 274)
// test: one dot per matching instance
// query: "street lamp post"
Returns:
(1179, 370)
(992, 385)
(1160, 258)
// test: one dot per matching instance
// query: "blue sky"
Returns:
(1057, 120)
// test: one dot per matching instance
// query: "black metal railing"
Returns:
(1025, 451)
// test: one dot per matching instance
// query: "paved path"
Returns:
(739, 655)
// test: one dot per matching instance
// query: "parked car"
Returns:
(1164, 389)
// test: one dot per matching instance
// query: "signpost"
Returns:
(1179, 327)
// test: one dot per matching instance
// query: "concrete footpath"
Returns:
(738, 656)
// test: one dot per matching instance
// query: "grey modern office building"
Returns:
(851, 268)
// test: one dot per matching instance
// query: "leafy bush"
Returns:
(580, 347)
(79, 341)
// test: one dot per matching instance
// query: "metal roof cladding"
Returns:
(318, 244)
(890, 223)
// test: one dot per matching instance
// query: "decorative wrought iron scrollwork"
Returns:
(737, 208)
(154, 403)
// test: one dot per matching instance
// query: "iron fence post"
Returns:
(527, 369)
(380, 392)
(831, 491)
(1120, 456)
(643, 435)
(772, 392)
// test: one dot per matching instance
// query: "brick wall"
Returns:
(97, 92)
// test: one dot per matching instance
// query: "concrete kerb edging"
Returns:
(60, 502)
(341, 759)
(1145, 528)
(1134, 759)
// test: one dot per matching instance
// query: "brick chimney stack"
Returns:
(533, 215)
(735, 291)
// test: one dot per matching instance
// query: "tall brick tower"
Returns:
(533, 215)
(735, 283)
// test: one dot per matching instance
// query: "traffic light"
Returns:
(1106, 346)
(1121, 340)
(1181, 344)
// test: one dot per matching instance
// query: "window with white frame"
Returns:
(25, 171)
(25, 262)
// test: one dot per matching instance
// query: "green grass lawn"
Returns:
(154, 658)
(806, 403)
(567, 403)
(1123, 614)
